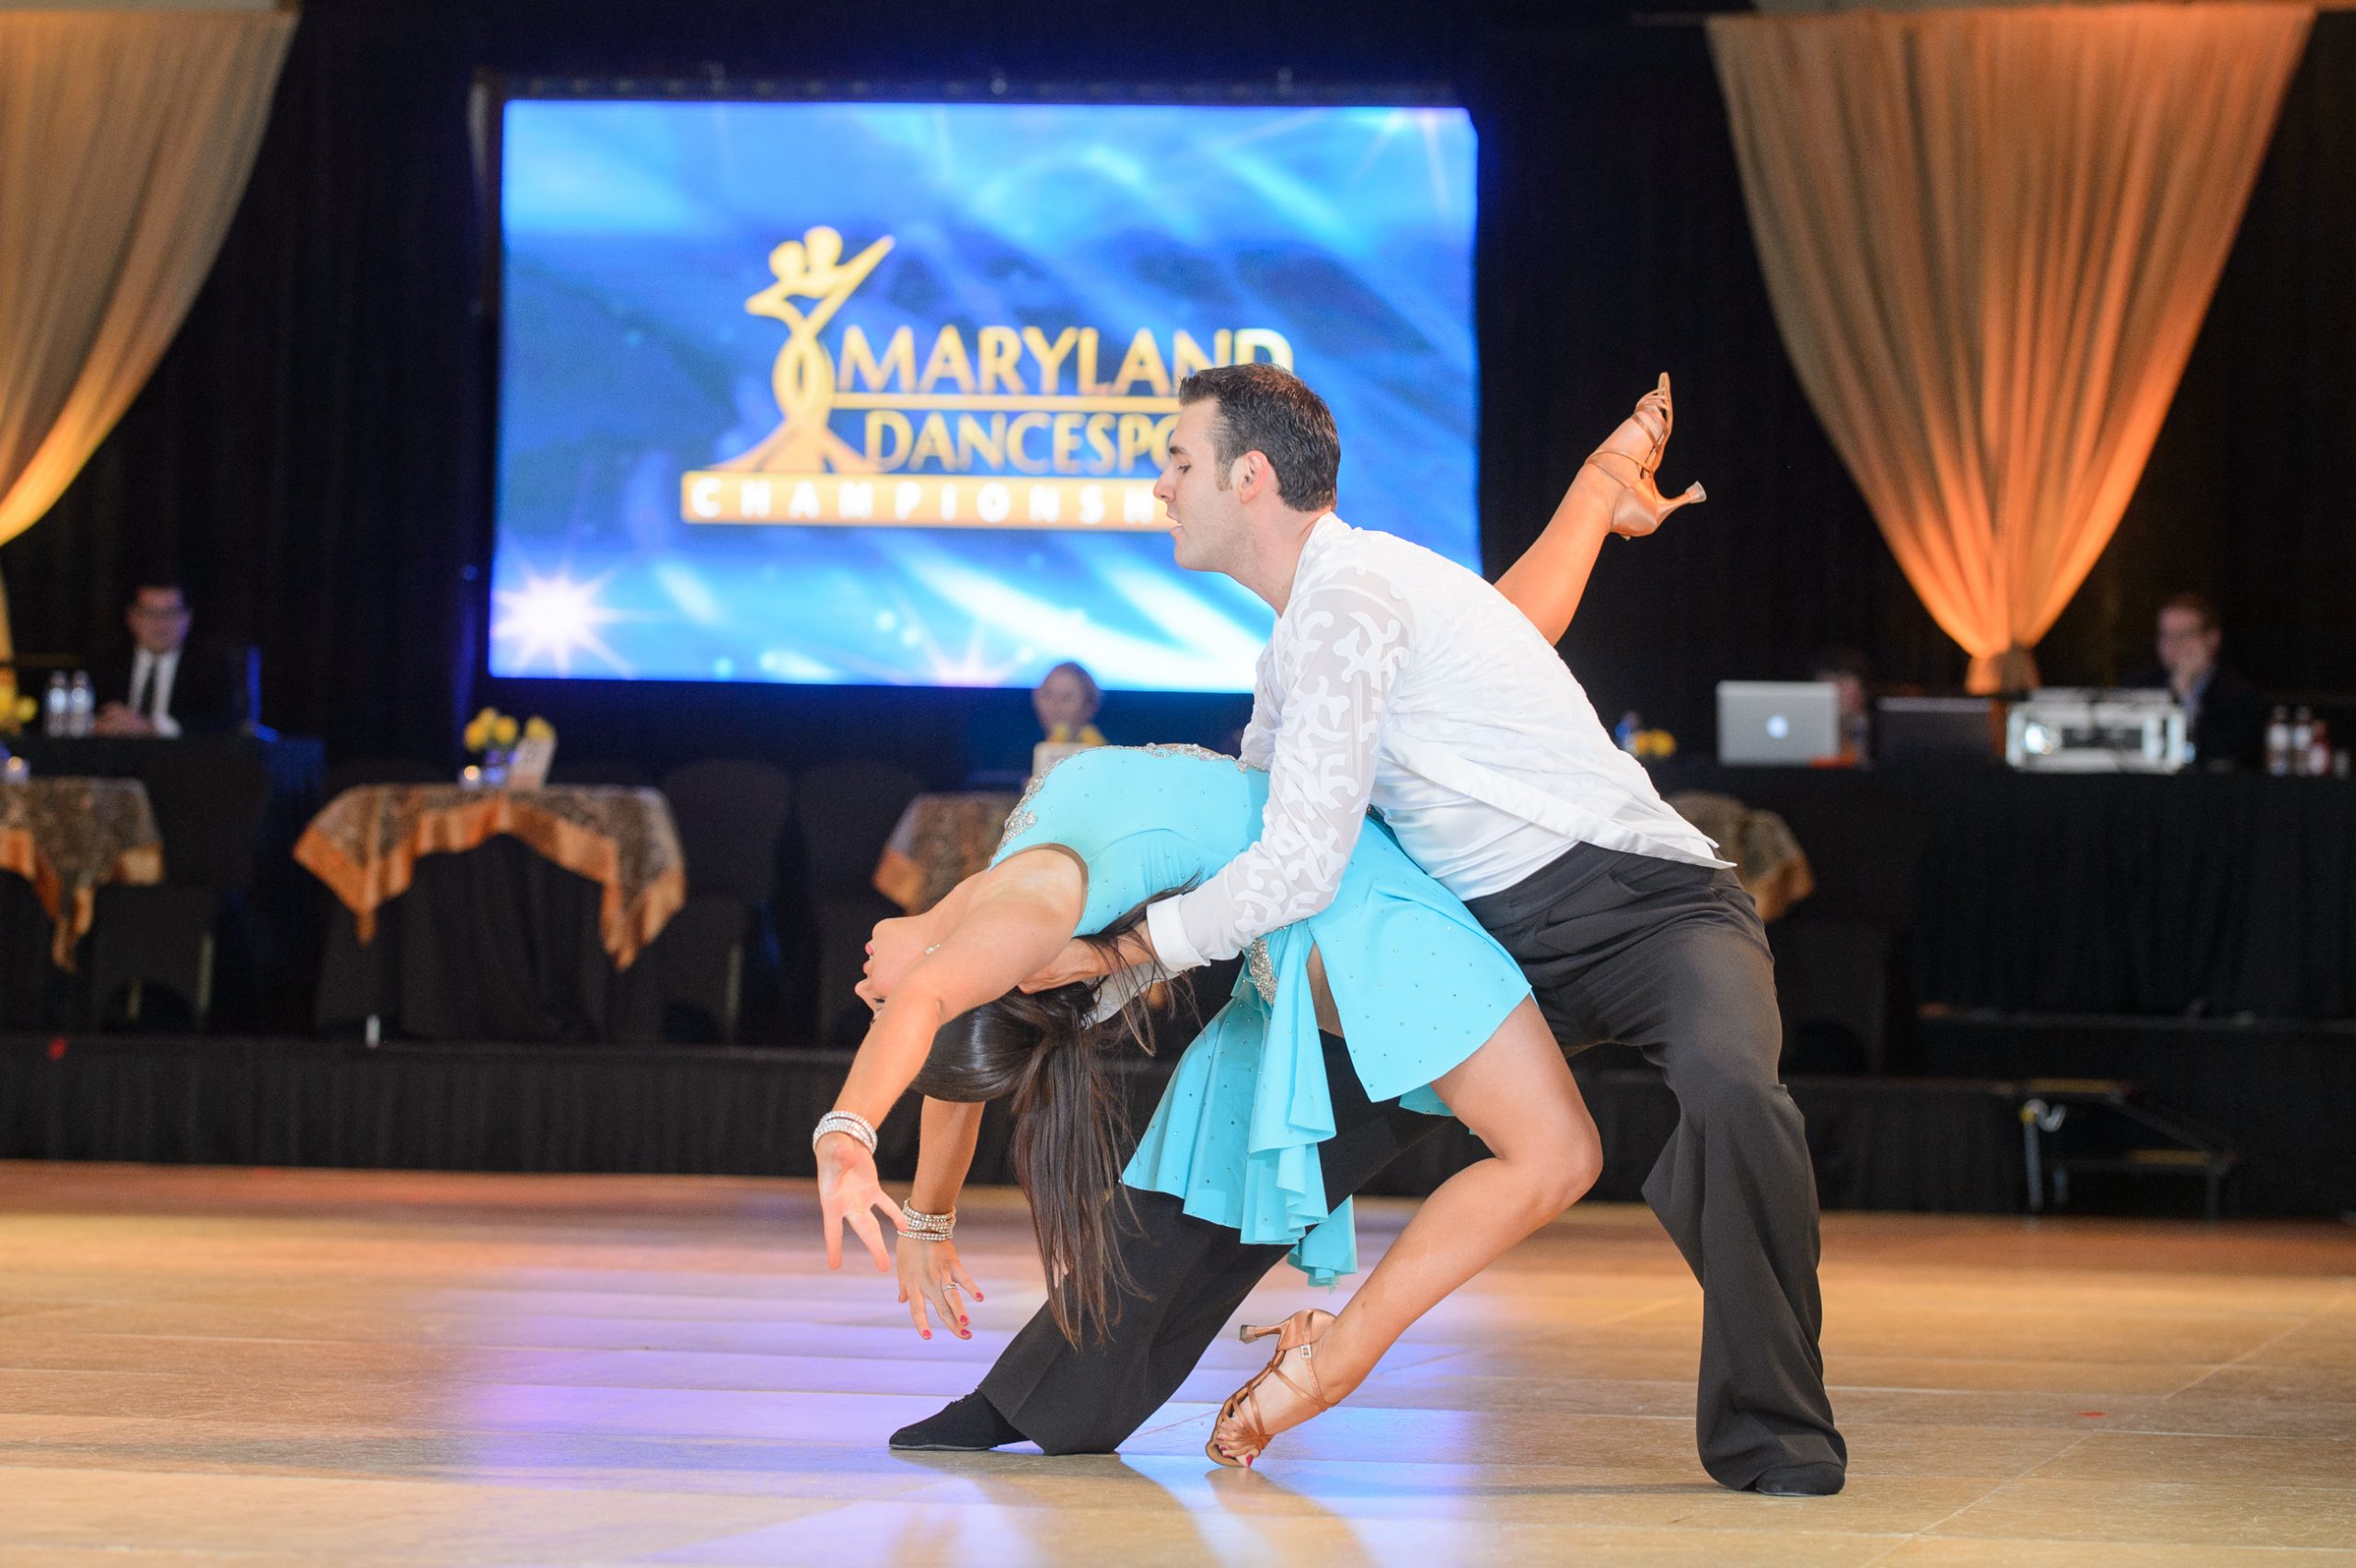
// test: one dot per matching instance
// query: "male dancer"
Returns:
(1396, 678)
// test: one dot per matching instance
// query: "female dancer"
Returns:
(1431, 1010)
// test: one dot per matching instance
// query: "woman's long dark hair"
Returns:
(1071, 1119)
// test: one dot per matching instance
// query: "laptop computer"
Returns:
(1790, 723)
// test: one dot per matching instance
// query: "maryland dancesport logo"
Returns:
(1016, 430)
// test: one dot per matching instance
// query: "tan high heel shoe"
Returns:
(1241, 1434)
(1640, 507)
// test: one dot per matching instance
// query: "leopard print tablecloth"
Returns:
(941, 841)
(66, 836)
(365, 845)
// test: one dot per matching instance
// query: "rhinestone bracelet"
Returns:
(923, 1226)
(849, 1123)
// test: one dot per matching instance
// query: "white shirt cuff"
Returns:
(1171, 947)
(168, 726)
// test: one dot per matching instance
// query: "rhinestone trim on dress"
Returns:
(1263, 968)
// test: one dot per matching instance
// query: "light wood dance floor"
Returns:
(229, 1367)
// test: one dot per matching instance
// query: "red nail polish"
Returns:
(928, 1333)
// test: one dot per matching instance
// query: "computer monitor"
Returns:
(1788, 723)
(1935, 732)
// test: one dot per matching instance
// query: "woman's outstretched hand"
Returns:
(849, 1195)
(930, 1275)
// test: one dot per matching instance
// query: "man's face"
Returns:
(1207, 522)
(158, 620)
(2188, 648)
(1061, 699)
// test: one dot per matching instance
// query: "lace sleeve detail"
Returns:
(1347, 639)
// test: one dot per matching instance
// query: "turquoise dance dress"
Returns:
(1418, 984)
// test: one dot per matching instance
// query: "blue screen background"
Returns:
(634, 233)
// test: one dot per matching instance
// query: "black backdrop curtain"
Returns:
(310, 455)
(300, 453)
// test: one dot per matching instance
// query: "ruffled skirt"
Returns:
(1419, 987)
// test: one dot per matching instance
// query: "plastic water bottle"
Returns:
(2303, 741)
(1626, 731)
(2320, 752)
(81, 704)
(54, 717)
(2278, 743)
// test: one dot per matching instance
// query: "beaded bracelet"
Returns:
(850, 1122)
(923, 1226)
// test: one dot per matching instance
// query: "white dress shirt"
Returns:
(1397, 678)
(166, 667)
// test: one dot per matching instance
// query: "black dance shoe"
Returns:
(970, 1425)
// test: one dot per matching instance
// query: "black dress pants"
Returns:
(1671, 958)
(1192, 1275)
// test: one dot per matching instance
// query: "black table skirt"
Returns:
(2208, 895)
(273, 956)
(496, 943)
(698, 1110)
(28, 977)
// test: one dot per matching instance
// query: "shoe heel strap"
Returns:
(1596, 459)
(1318, 1398)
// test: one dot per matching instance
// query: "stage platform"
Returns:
(261, 1366)
(1947, 1147)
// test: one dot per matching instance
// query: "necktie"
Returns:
(147, 688)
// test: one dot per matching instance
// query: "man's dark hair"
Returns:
(154, 583)
(2200, 605)
(1266, 409)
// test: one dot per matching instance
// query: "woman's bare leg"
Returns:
(1517, 1094)
(1613, 492)
(1550, 579)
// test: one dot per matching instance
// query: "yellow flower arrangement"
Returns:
(20, 713)
(491, 729)
(1089, 735)
(1653, 746)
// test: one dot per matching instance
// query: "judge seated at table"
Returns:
(162, 682)
(2225, 716)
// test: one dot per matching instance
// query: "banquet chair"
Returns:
(1843, 970)
(160, 943)
(730, 816)
(843, 814)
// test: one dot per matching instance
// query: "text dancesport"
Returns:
(1018, 431)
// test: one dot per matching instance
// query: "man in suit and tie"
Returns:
(2225, 716)
(163, 683)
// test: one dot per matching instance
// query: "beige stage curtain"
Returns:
(1990, 238)
(125, 140)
